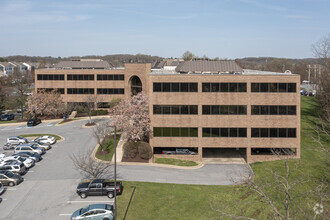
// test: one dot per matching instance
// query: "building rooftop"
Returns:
(209, 66)
(84, 64)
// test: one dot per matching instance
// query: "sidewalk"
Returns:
(54, 120)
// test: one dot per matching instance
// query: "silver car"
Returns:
(29, 148)
(15, 140)
(95, 211)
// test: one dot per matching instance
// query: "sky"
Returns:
(215, 28)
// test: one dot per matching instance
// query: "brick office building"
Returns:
(214, 108)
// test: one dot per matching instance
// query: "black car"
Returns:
(99, 187)
(7, 117)
(33, 122)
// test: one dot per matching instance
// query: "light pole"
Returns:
(115, 172)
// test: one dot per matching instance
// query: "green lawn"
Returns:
(38, 135)
(109, 146)
(9, 122)
(176, 162)
(174, 201)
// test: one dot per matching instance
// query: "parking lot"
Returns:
(49, 188)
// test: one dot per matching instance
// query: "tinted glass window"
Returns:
(291, 87)
(157, 87)
(263, 87)
(224, 132)
(166, 87)
(175, 87)
(206, 109)
(254, 132)
(193, 87)
(255, 87)
(215, 87)
(215, 110)
(233, 132)
(282, 87)
(184, 87)
(206, 87)
(224, 87)
(273, 87)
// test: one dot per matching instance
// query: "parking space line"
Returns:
(38, 164)
(64, 214)
(86, 201)
(4, 199)
(31, 171)
(11, 189)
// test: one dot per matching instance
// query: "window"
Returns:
(273, 87)
(50, 76)
(273, 132)
(175, 132)
(107, 91)
(175, 109)
(224, 132)
(110, 77)
(58, 90)
(175, 87)
(80, 77)
(103, 105)
(80, 91)
(273, 110)
(224, 87)
(224, 109)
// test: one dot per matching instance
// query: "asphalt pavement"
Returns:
(48, 190)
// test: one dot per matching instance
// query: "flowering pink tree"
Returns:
(132, 116)
(46, 103)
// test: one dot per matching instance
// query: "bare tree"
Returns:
(100, 131)
(22, 85)
(280, 193)
(90, 104)
(89, 167)
(321, 50)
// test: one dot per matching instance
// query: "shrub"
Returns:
(99, 112)
(130, 149)
(144, 149)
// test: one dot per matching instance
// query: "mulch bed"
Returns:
(137, 159)
(102, 153)
(90, 124)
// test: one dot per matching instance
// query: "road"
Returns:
(48, 190)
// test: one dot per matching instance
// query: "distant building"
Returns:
(214, 108)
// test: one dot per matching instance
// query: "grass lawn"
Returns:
(108, 143)
(174, 201)
(37, 135)
(9, 122)
(176, 162)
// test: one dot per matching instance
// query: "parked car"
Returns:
(46, 140)
(9, 178)
(39, 144)
(179, 151)
(26, 161)
(29, 148)
(7, 117)
(99, 187)
(33, 122)
(15, 167)
(314, 92)
(95, 211)
(8, 146)
(34, 156)
(16, 140)
(2, 189)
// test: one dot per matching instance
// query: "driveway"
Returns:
(48, 190)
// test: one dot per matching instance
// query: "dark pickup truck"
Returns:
(99, 187)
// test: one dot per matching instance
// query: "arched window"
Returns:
(136, 85)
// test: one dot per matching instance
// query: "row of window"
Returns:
(80, 91)
(110, 91)
(225, 132)
(91, 91)
(273, 110)
(224, 109)
(224, 87)
(58, 90)
(273, 132)
(273, 87)
(176, 109)
(175, 132)
(175, 87)
(50, 77)
(80, 77)
(110, 77)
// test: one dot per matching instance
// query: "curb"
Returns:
(22, 123)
